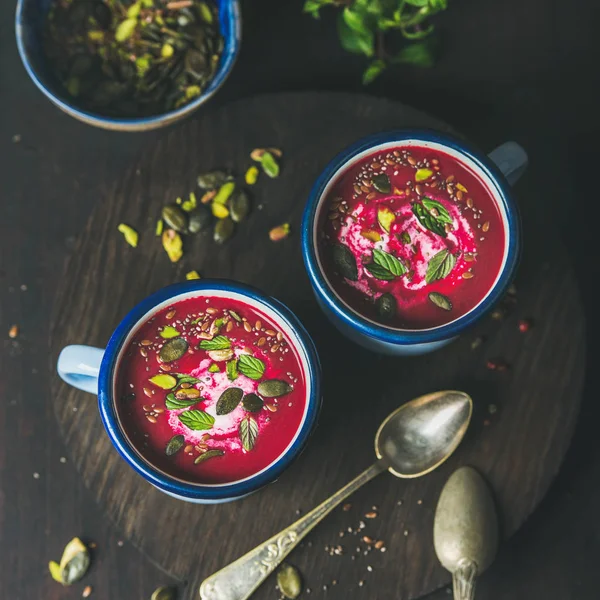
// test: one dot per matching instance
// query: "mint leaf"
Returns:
(419, 54)
(172, 403)
(197, 420)
(428, 220)
(389, 262)
(444, 215)
(248, 432)
(440, 266)
(217, 343)
(379, 272)
(251, 367)
(373, 71)
(351, 40)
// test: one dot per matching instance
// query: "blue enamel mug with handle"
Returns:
(498, 171)
(94, 370)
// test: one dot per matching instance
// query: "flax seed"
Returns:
(396, 153)
(467, 275)
(375, 165)
(419, 189)
(257, 325)
(367, 540)
(275, 347)
(87, 590)
(459, 195)
(450, 179)
(229, 326)
(470, 202)
(170, 314)
(247, 326)
(261, 342)
(357, 188)
(205, 326)
(371, 195)
(485, 227)
(147, 408)
(271, 407)
(148, 392)
(159, 410)
(411, 161)
(279, 336)
(211, 311)
(365, 189)
(151, 418)
(146, 343)
(379, 544)
(144, 352)
(188, 448)
(164, 367)
(371, 515)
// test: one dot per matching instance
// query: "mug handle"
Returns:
(79, 366)
(511, 159)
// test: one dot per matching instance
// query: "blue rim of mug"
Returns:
(174, 486)
(229, 16)
(352, 318)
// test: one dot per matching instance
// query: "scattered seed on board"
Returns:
(87, 590)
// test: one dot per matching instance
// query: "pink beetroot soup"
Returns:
(411, 238)
(210, 390)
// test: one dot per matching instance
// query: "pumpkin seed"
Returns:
(130, 234)
(175, 217)
(252, 403)
(212, 180)
(159, 228)
(345, 262)
(289, 581)
(173, 350)
(440, 301)
(220, 355)
(164, 593)
(382, 183)
(175, 445)
(208, 455)
(75, 562)
(239, 206)
(199, 219)
(229, 400)
(273, 388)
(223, 230)
(164, 381)
(386, 307)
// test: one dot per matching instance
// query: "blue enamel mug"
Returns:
(29, 24)
(94, 370)
(498, 171)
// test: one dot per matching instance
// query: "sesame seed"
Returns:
(36, 475)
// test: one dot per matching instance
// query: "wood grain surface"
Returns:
(519, 448)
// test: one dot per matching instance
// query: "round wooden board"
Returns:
(519, 448)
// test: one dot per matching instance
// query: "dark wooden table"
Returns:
(514, 69)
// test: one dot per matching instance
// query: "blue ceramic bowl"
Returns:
(501, 167)
(93, 370)
(29, 23)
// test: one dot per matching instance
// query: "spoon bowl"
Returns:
(420, 435)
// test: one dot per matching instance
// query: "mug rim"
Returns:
(160, 479)
(353, 318)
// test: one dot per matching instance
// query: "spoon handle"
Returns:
(463, 580)
(240, 579)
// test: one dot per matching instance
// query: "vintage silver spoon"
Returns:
(412, 441)
(465, 530)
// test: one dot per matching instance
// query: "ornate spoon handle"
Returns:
(240, 579)
(464, 579)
